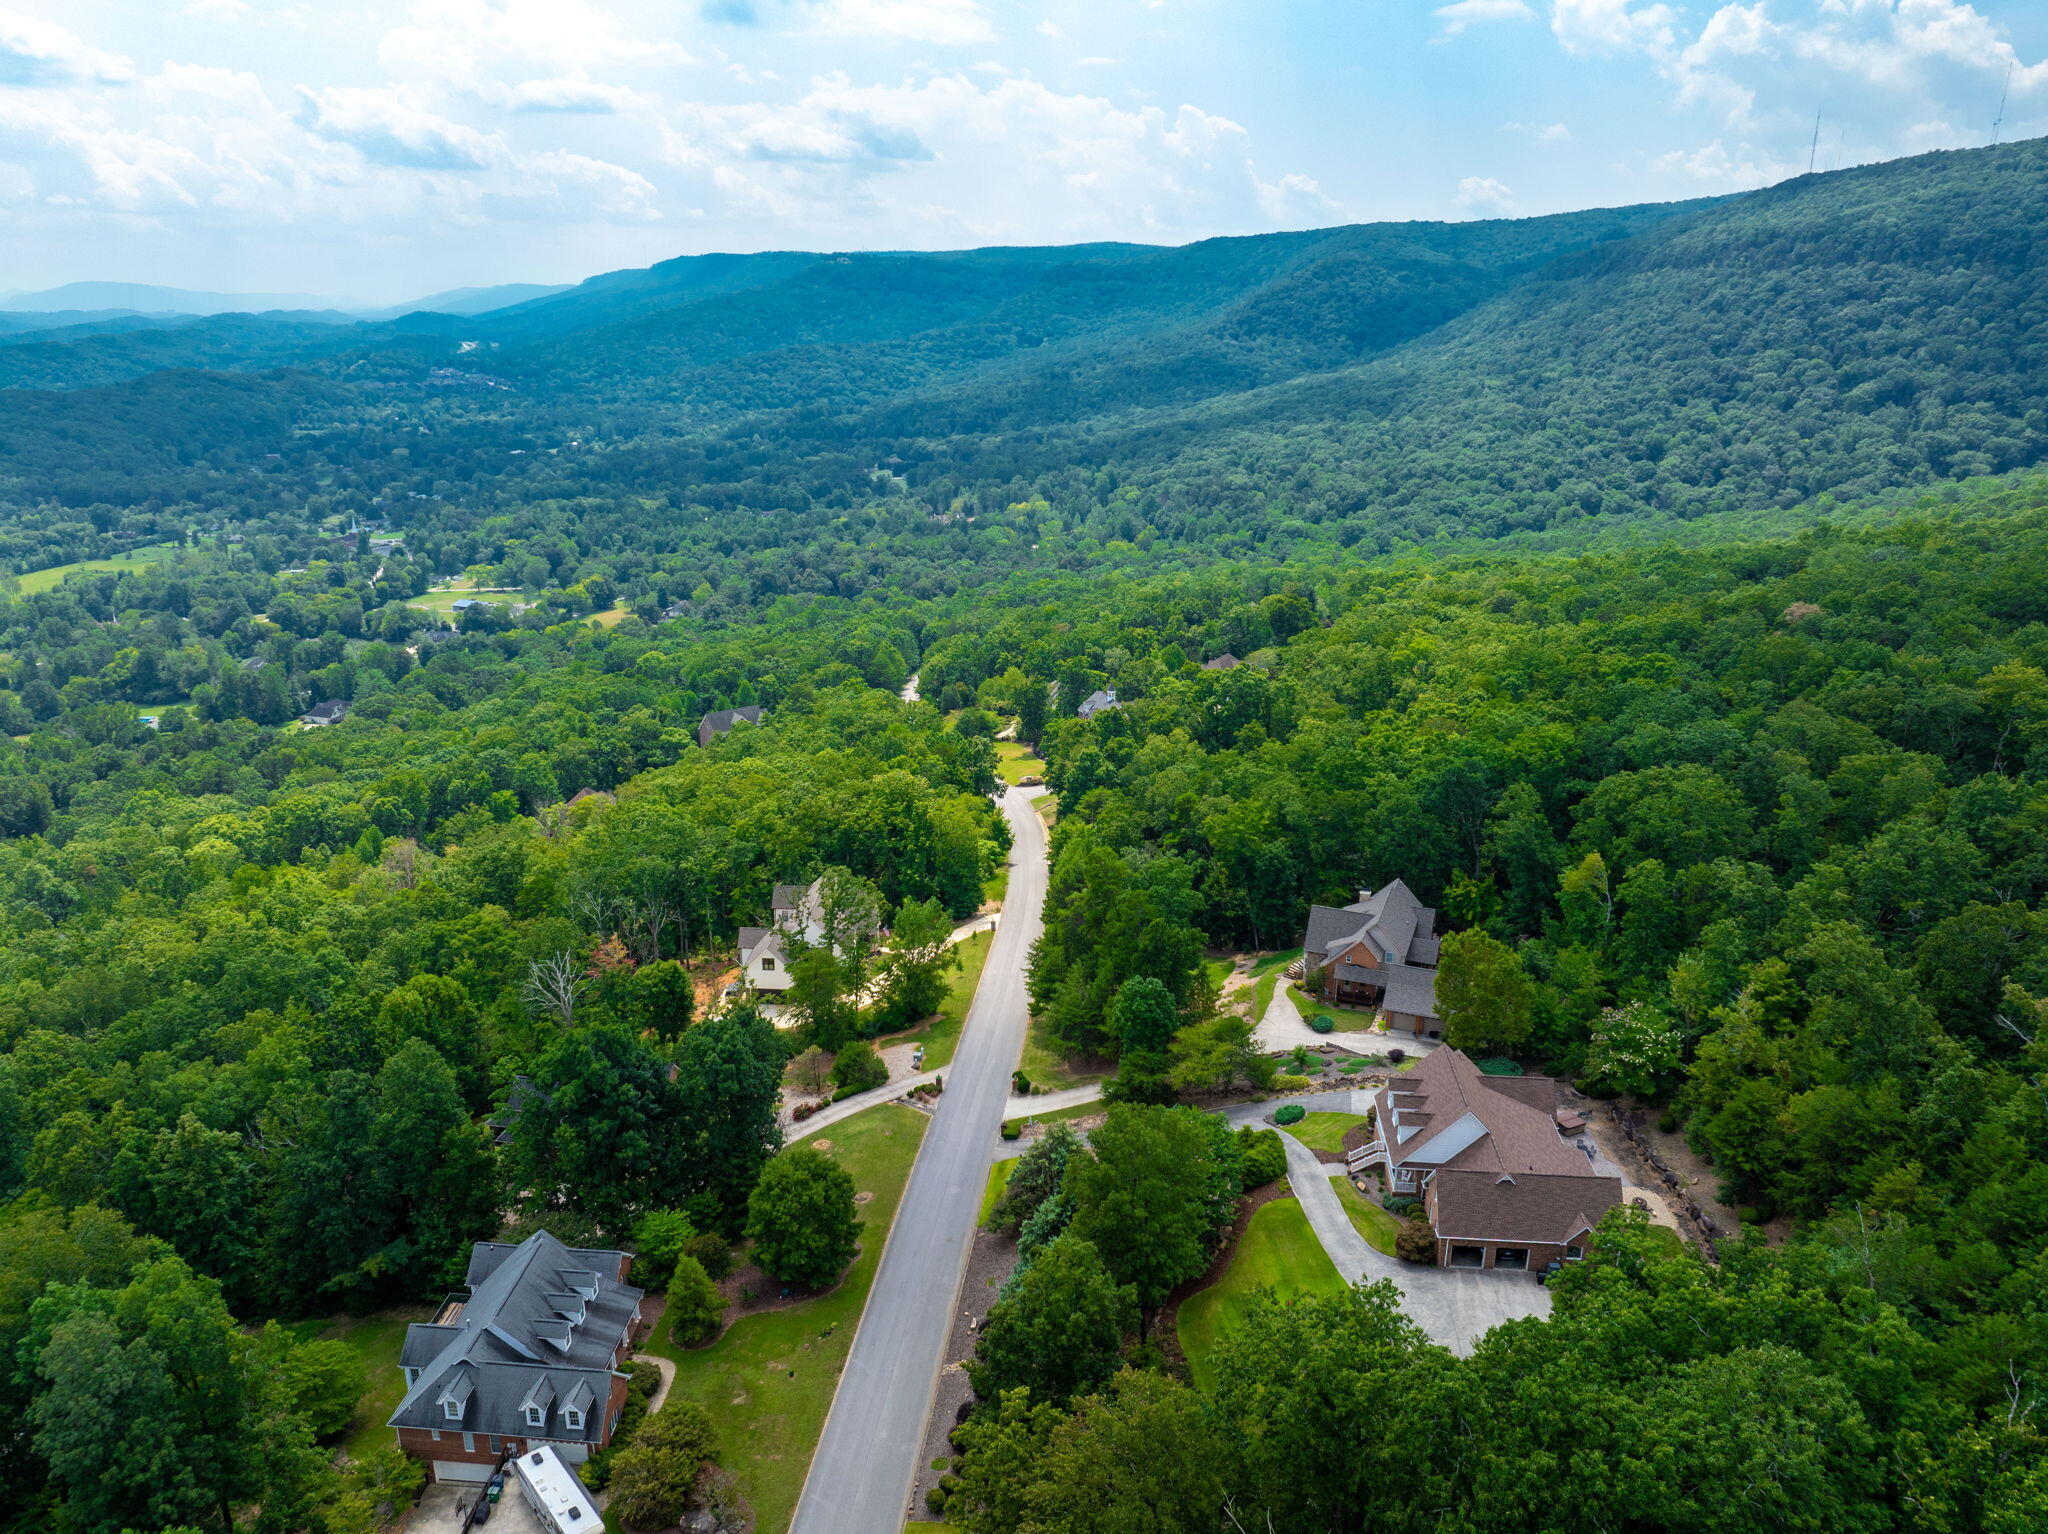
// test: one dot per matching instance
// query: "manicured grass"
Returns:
(768, 1381)
(377, 1340)
(1325, 1131)
(995, 889)
(610, 617)
(1279, 1252)
(1016, 761)
(1367, 1218)
(1056, 1115)
(49, 580)
(1048, 807)
(1266, 975)
(998, 1180)
(1671, 1241)
(1347, 1019)
(941, 1035)
(1047, 1068)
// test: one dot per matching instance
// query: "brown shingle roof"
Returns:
(1491, 1206)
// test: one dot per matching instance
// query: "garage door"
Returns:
(461, 1470)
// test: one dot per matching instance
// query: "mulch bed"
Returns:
(989, 1262)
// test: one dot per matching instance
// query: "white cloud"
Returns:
(1718, 168)
(1466, 14)
(1483, 194)
(1596, 26)
(217, 10)
(944, 22)
(1542, 133)
(36, 52)
(387, 129)
(522, 55)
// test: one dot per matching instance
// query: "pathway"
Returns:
(910, 693)
(860, 1478)
(666, 1367)
(1453, 1306)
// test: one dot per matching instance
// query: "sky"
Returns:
(378, 150)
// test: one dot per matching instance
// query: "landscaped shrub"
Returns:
(1415, 1242)
(1321, 1023)
(1403, 1205)
(858, 1068)
(713, 1252)
(1289, 1113)
(695, 1307)
(1397, 1055)
(655, 1476)
(1667, 1121)
(1285, 1083)
(1012, 1129)
(1264, 1157)
(1020, 1084)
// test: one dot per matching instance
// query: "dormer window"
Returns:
(535, 1417)
(452, 1410)
(573, 1419)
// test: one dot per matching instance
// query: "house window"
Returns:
(533, 1416)
(1573, 1253)
(453, 1410)
(573, 1419)
(767, 964)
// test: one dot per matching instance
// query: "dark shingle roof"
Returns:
(717, 722)
(539, 1313)
(1499, 1206)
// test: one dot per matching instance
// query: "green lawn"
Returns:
(995, 889)
(1278, 1252)
(1266, 975)
(1367, 1218)
(1047, 1068)
(49, 580)
(941, 1035)
(1048, 807)
(1325, 1131)
(998, 1180)
(1016, 761)
(1671, 1241)
(768, 1381)
(377, 1340)
(1055, 1115)
(1347, 1019)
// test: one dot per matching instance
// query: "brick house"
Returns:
(1379, 952)
(533, 1356)
(1502, 1185)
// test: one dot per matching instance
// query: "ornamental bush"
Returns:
(1415, 1242)
(1321, 1023)
(1289, 1113)
(1286, 1083)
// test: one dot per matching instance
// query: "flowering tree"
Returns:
(1632, 1047)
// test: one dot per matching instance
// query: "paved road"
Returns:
(860, 1478)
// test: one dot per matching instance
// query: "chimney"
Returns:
(1364, 895)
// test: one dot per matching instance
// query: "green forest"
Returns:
(1661, 592)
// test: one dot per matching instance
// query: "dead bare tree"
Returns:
(554, 986)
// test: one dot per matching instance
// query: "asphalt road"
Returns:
(860, 1477)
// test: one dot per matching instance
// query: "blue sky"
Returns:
(379, 149)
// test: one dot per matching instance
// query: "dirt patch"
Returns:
(750, 1290)
(1080, 1126)
(989, 1262)
(1664, 1164)
(821, 1145)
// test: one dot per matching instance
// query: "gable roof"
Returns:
(1224, 662)
(543, 1322)
(718, 721)
(1484, 1206)
(1446, 1096)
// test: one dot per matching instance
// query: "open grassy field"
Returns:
(1325, 1131)
(1278, 1252)
(49, 580)
(1016, 761)
(376, 1339)
(1048, 807)
(941, 1036)
(768, 1381)
(1367, 1218)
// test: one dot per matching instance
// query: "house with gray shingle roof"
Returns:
(1381, 952)
(719, 721)
(1501, 1182)
(532, 1356)
(1100, 701)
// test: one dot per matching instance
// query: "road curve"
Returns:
(860, 1478)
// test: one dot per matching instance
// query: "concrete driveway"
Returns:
(1453, 1306)
(437, 1511)
(1282, 1027)
(860, 1478)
